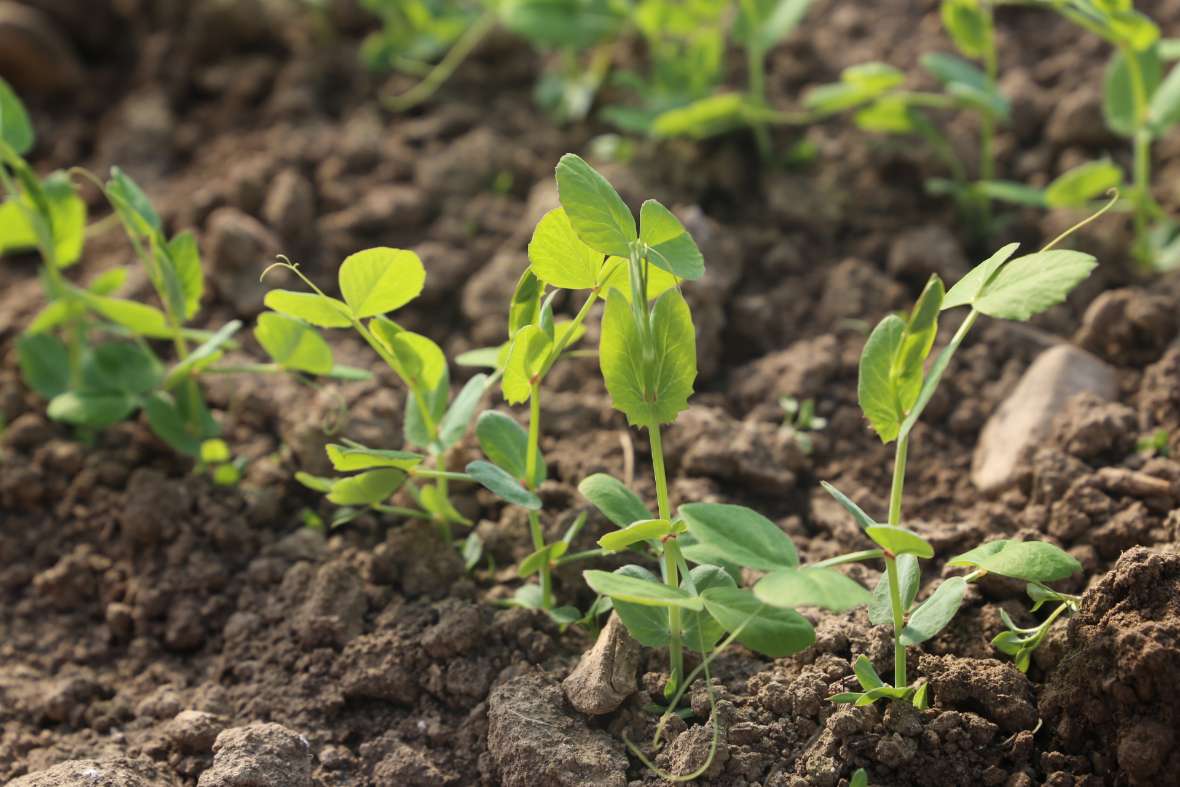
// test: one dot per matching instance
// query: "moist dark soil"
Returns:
(158, 629)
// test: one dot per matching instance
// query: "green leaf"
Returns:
(900, 541)
(644, 529)
(858, 84)
(710, 116)
(616, 502)
(347, 458)
(505, 443)
(1118, 102)
(540, 558)
(502, 485)
(641, 591)
(741, 534)
(483, 357)
(1165, 103)
(139, 318)
(186, 261)
(15, 129)
(651, 387)
(700, 631)
(949, 69)
(1073, 189)
(293, 344)
(917, 341)
(768, 630)
(458, 416)
(366, 488)
(860, 778)
(968, 26)
(810, 587)
(315, 483)
(54, 314)
(618, 277)
(909, 577)
(379, 280)
(436, 502)
(420, 362)
(96, 409)
(669, 246)
(525, 307)
(526, 360)
(204, 354)
(215, 451)
(558, 256)
(875, 385)
(121, 366)
(1032, 561)
(866, 674)
(598, 214)
(44, 364)
(858, 514)
(168, 423)
(968, 288)
(886, 115)
(132, 204)
(770, 23)
(933, 614)
(1030, 284)
(58, 202)
(647, 624)
(1011, 192)
(318, 310)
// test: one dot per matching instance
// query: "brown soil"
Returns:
(144, 611)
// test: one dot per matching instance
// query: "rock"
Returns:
(1026, 416)
(1128, 327)
(533, 740)
(1090, 428)
(606, 674)
(119, 772)
(239, 248)
(289, 208)
(194, 731)
(34, 55)
(259, 755)
(916, 253)
(406, 766)
(1002, 692)
(335, 608)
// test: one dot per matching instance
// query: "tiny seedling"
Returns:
(894, 388)
(372, 284)
(1155, 444)
(800, 420)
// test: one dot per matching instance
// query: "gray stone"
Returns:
(533, 739)
(120, 772)
(1025, 418)
(605, 676)
(259, 755)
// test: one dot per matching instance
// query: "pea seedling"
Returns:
(415, 32)
(883, 104)
(647, 354)
(893, 389)
(372, 284)
(800, 420)
(1139, 102)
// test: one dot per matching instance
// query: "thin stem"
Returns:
(661, 478)
(987, 121)
(530, 473)
(851, 557)
(756, 78)
(574, 557)
(671, 555)
(410, 513)
(426, 472)
(1142, 154)
(446, 67)
(899, 666)
(1114, 198)
(895, 491)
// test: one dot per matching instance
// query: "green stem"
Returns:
(531, 451)
(1142, 155)
(410, 513)
(756, 79)
(587, 554)
(895, 491)
(987, 121)
(851, 557)
(446, 67)
(670, 557)
(441, 475)
(899, 666)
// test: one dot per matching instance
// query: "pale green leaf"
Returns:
(968, 288)
(558, 256)
(741, 535)
(497, 481)
(293, 344)
(933, 614)
(379, 280)
(1028, 285)
(645, 529)
(641, 591)
(347, 458)
(318, 310)
(900, 541)
(368, 488)
(810, 587)
(669, 246)
(616, 502)
(598, 214)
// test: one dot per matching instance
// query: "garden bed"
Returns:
(144, 610)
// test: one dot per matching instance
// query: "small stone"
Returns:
(194, 731)
(259, 755)
(606, 674)
(290, 206)
(1025, 418)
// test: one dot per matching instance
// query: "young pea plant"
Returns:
(758, 25)
(416, 32)
(800, 420)
(1140, 103)
(883, 104)
(647, 355)
(372, 284)
(894, 388)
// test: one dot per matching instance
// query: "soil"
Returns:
(157, 629)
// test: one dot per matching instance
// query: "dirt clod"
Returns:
(259, 755)
(606, 674)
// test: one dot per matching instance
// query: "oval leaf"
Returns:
(741, 535)
(502, 485)
(558, 256)
(641, 591)
(346, 458)
(367, 488)
(505, 443)
(933, 615)
(595, 210)
(312, 308)
(616, 502)
(638, 531)
(900, 541)
(1030, 284)
(766, 629)
(1032, 561)
(810, 587)
(293, 344)
(669, 246)
(379, 280)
